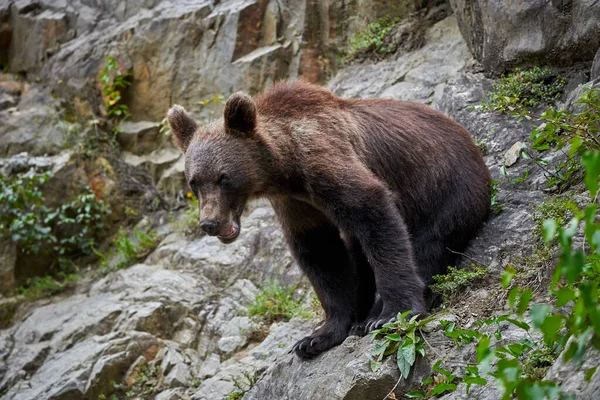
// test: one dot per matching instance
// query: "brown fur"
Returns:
(370, 194)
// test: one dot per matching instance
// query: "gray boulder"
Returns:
(504, 34)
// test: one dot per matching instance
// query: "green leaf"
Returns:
(551, 327)
(564, 295)
(520, 324)
(539, 312)
(548, 230)
(443, 387)
(591, 163)
(405, 358)
(590, 373)
(507, 276)
(375, 365)
(524, 300)
(394, 337)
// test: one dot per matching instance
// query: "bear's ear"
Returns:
(240, 113)
(182, 126)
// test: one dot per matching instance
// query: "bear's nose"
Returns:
(211, 227)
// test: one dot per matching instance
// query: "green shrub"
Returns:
(127, 248)
(560, 209)
(113, 81)
(371, 39)
(524, 88)
(40, 287)
(71, 229)
(277, 303)
(456, 279)
(190, 221)
(579, 131)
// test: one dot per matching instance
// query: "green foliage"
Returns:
(524, 88)
(146, 385)
(557, 208)
(572, 325)
(242, 386)
(278, 303)
(371, 38)
(399, 337)
(126, 249)
(495, 205)
(70, 229)
(213, 104)
(579, 131)
(456, 279)
(41, 287)
(538, 362)
(113, 81)
(190, 221)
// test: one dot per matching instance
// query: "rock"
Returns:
(253, 363)
(259, 253)
(170, 359)
(513, 154)
(179, 376)
(210, 366)
(6, 101)
(416, 76)
(234, 334)
(8, 265)
(502, 35)
(8, 308)
(156, 162)
(35, 36)
(133, 374)
(30, 127)
(571, 377)
(595, 72)
(171, 394)
(80, 343)
(139, 137)
(341, 373)
(172, 180)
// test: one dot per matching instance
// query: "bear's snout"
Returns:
(210, 227)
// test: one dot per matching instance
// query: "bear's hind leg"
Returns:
(320, 251)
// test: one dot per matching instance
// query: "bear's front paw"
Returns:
(312, 346)
(359, 329)
(371, 324)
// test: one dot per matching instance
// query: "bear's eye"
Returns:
(224, 180)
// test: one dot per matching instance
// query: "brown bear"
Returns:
(374, 196)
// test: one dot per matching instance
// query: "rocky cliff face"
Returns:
(175, 325)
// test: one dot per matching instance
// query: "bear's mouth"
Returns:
(230, 233)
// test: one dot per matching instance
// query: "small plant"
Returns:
(242, 385)
(537, 363)
(68, 230)
(41, 287)
(277, 303)
(522, 89)
(495, 205)
(560, 209)
(213, 104)
(126, 249)
(399, 337)
(371, 39)
(113, 81)
(190, 222)
(451, 283)
(579, 132)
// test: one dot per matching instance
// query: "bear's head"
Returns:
(222, 163)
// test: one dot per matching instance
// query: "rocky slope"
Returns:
(174, 326)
